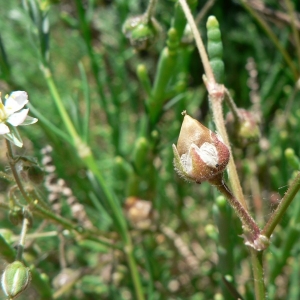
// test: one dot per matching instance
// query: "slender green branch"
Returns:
(258, 274)
(58, 102)
(233, 108)
(25, 226)
(282, 207)
(88, 234)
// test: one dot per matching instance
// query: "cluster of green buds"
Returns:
(200, 154)
(141, 31)
(15, 279)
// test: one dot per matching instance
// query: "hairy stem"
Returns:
(241, 212)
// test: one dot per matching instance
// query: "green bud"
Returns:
(140, 152)
(221, 202)
(122, 169)
(141, 32)
(292, 158)
(15, 279)
(215, 48)
(211, 231)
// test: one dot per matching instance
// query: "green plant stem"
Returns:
(88, 234)
(21, 244)
(223, 219)
(134, 271)
(11, 160)
(258, 274)
(231, 104)
(282, 207)
(290, 239)
(166, 65)
(59, 105)
(273, 37)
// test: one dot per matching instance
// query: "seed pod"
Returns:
(200, 154)
(15, 279)
(215, 48)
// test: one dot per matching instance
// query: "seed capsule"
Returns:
(200, 154)
(15, 279)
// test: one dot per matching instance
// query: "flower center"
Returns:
(3, 114)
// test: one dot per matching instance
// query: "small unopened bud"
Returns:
(200, 154)
(141, 32)
(15, 279)
(245, 132)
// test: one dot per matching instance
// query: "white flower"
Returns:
(12, 114)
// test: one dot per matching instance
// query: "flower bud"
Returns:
(15, 279)
(141, 32)
(245, 132)
(200, 154)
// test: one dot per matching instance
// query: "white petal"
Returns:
(16, 101)
(209, 154)
(18, 118)
(3, 129)
(29, 120)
